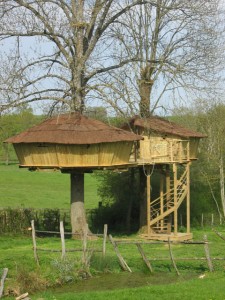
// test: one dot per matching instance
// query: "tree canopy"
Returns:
(123, 53)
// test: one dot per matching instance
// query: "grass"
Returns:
(21, 188)
(17, 255)
(209, 288)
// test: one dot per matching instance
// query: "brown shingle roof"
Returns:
(161, 125)
(73, 129)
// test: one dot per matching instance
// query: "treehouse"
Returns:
(168, 149)
(73, 141)
(74, 144)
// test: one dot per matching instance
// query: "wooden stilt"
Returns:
(175, 198)
(161, 200)
(188, 198)
(168, 196)
(148, 204)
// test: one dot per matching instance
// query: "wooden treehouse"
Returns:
(169, 149)
(74, 144)
(73, 141)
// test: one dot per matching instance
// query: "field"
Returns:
(61, 279)
(16, 254)
(21, 188)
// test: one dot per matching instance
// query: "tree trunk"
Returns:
(222, 193)
(143, 201)
(145, 88)
(78, 63)
(78, 216)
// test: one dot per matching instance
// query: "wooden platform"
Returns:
(164, 237)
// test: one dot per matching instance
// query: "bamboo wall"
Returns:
(59, 155)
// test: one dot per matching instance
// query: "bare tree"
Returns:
(57, 50)
(69, 45)
(178, 46)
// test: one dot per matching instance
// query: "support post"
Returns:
(78, 217)
(175, 198)
(168, 196)
(148, 204)
(188, 199)
(161, 200)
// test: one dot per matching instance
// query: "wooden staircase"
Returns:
(165, 207)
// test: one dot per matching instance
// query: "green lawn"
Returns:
(212, 287)
(16, 254)
(19, 187)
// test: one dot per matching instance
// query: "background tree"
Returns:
(68, 41)
(176, 46)
(208, 171)
(11, 124)
(69, 50)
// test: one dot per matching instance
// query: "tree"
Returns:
(177, 46)
(177, 49)
(12, 124)
(69, 42)
(71, 51)
(209, 170)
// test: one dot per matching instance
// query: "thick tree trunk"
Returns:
(78, 216)
(145, 88)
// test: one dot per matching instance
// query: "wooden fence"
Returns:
(148, 261)
(63, 249)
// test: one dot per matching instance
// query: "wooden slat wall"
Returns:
(51, 155)
(122, 153)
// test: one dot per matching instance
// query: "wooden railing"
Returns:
(163, 151)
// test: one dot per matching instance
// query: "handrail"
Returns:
(158, 212)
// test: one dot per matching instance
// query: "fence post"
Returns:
(104, 239)
(202, 221)
(206, 247)
(5, 271)
(212, 222)
(62, 239)
(123, 263)
(85, 233)
(172, 258)
(34, 243)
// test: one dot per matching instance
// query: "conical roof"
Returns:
(161, 125)
(73, 128)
